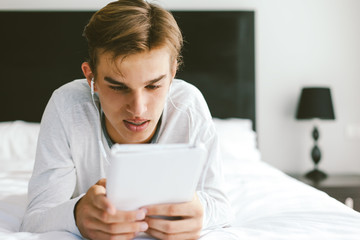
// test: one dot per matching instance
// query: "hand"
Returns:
(97, 218)
(188, 223)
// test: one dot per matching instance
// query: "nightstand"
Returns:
(345, 188)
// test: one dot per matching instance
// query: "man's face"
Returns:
(132, 92)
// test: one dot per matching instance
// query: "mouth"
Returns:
(136, 125)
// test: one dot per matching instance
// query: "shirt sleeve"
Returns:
(211, 192)
(51, 187)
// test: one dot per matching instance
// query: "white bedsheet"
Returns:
(271, 205)
(13, 195)
(267, 203)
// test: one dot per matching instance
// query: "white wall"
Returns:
(298, 43)
(308, 42)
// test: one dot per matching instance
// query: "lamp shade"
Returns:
(315, 102)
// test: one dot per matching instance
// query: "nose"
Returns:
(137, 104)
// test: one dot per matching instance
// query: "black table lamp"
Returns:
(315, 102)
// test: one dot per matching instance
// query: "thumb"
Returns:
(99, 197)
(102, 182)
(110, 208)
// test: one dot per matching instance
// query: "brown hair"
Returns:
(125, 27)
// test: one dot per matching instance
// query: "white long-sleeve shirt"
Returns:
(69, 160)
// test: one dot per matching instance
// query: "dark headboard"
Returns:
(40, 51)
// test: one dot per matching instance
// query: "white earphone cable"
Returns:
(177, 108)
(101, 144)
(207, 164)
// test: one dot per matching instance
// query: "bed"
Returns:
(267, 203)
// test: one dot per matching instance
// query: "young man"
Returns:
(129, 96)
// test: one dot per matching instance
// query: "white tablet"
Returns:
(147, 174)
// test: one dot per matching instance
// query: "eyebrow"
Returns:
(113, 81)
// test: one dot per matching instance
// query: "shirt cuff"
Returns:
(205, 208)
(69, 217)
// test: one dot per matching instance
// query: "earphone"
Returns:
(92, 86)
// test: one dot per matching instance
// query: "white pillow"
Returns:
(241, 124)
(238, 141)
(18, 140)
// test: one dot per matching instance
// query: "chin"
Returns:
(138, 139)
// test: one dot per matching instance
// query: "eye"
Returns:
(119, 88)
(153, 87)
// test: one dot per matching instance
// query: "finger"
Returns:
(173, 227)
(121, 216)
(179, 236)
(167, 210)
(188, 209)
(100, 200)
(117, 228)
(102, 182)
(103, 235)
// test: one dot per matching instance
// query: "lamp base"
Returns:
(316, 175)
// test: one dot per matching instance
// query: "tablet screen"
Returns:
(147, 174)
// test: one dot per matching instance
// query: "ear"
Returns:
(85, 67)
(173, 69)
